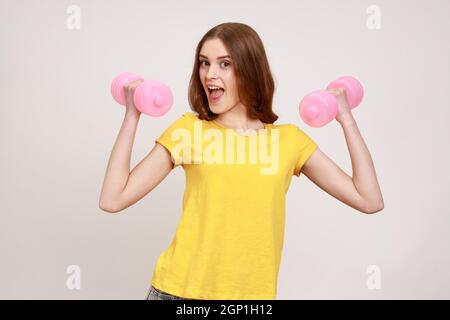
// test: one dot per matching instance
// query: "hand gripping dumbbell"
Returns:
(320, 107)
(151, 97)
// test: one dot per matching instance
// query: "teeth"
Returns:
(213, 87)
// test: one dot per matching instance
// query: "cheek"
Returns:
(231, 89)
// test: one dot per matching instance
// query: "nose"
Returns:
(211, 74)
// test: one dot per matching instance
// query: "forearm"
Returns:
(364, 176)
(118, 169)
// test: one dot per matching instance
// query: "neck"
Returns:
(236, 118)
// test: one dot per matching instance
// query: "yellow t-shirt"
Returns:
(229, 238)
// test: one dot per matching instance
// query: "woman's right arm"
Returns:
(122, 188)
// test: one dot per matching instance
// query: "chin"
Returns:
(217, 109)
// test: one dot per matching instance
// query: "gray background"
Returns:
(59, 123)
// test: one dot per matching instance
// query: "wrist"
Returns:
(346, 119)
(132, 114)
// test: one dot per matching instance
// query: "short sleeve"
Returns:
(304, 147)
(176, 138)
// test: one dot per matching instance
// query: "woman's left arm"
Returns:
(361, 191)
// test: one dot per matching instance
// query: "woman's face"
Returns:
(217, 69)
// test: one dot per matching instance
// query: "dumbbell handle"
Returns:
(151, 97)
(320, 107)
(118, 83)
(353, 89)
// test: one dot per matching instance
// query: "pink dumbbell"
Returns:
(320, 107)
(151, 97)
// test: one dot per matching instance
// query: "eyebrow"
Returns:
(218, 58)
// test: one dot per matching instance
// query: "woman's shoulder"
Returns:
(190, 115)
(281, 125)
(285, 126)
(185, 118)
(290, 130)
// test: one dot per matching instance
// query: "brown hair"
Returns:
(254, 79)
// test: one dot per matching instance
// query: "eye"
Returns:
(227, 63)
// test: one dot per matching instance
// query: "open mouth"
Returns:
(215, 90)
(216, 93)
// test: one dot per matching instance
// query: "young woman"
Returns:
(229, 239)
